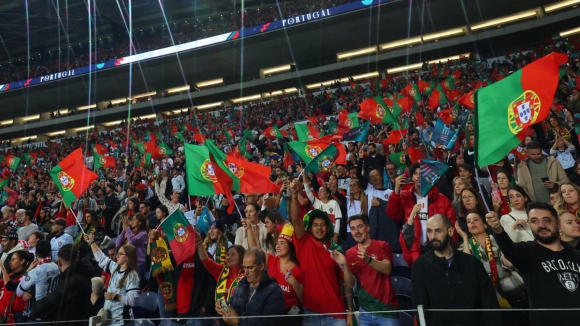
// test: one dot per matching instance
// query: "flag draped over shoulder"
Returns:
(504, 110)
(180, 236)
(72, 177)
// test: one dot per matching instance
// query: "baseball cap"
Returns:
(10, 235)
(60, 221)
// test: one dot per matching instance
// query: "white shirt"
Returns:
(44, 278)
(331, 207)
(178, 183)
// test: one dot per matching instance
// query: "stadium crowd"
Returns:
(144, 41)
(501, 236)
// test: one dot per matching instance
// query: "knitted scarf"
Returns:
(162, 269)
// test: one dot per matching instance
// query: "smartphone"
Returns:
(225, 305)
(545, 179)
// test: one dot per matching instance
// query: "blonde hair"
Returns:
(457, 197)
(561, 204)
(364, 205)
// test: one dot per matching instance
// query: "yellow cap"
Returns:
(287, 232)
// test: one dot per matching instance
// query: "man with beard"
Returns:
(550, 268)
(444, 278)
(370, 262)
(374, 160)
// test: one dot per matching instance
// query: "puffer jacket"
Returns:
(267, 300)
(400, 207)
(383, 227)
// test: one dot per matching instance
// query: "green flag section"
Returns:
(30, 158)
(273, 132)
(377, 111)
(8, 197)
(332, 127)
(100, 161)
(201, 179)
(324, 161)
(504, 110)
(308, 150)
(305, 132)
(399, 160)
(179, 135)
(72, 177)
(12, 161)
(243, 149)
(164, 149)
(180, 236)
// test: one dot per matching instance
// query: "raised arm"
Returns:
(299, 229)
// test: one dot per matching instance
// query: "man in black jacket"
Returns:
(110, 208)
(550, 269)
(257, 294)
(71, 298)
(445, 278)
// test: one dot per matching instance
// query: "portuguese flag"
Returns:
(12, 161)
(72, 177)
(349, 120)
(180, 236)
(308, 150)
(376, 110)
(437, 98)
(103, 161)
(163, 149)
(273, 132)
(30, 158)
(254, 178)
(8, 197)
(399, 160)
(100, 149)
(412, 92)
(504, 110)
(147, 147)
(306, 132)
(324, 161)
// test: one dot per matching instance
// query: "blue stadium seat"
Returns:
(406, 319)
(398, 260)
(401, 271)
(401, 285)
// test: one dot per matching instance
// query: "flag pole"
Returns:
(76, 220)
(238, 208)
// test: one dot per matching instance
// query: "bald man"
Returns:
(444, 278)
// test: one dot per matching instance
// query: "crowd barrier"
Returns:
(419, 312)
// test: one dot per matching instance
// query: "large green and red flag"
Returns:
(72, 177)
(163, 150)
(272, 132)
(180, 236)
(30, 158)
(425, 87)
(100, 161)
(504, 110)
(308, 150)
(437, 98)
(254, 178)
(324, 161)
(12, 161)
(376, 110)
(412, 92)
(306, 132)
(100, 149)
(8, 197)
(348, 120)
(147, 147)
(467, 100)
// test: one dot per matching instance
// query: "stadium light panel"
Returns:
(86, 107)
(356, 53)
(570, 32)
(84, 128)
(286, 91)
(112, 123)
(7, 122)
(276, 70)
(443, 34)
(399, 43)
(560, 5)
(31, 117)
(210, 82)
(208, 106)
(149, 116)
(25, 138)
(119, 100)
(56, 133)
(247, 98)
(178, 89)
(419, 65)
(144, 95)
(506, 19)
(367, 75)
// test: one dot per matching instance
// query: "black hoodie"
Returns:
(71, 300)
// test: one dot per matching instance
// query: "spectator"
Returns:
(325, 203)
(10, 245)
(569, 230)
(109, 208)
(123, 286)
(71, 298)
(321, 274)
(435, 270)
(58, 237)
(459, 184)
(97, 295)
(177, 181)
(545, 264)
(374, 160)
(11, 306)
(216, 243)
(33, 240)
(500, 192)
(253, 222)
(515, 224)
(134, 232)
(28, 227)
(565, 152)
(41, 277)
(539, 174)
(370, 263)
(8, 219)
(145, 209)
(257, 294)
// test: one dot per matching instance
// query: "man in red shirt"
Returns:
(370, 262)
(321, 276)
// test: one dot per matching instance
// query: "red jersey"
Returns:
(290, 297)
(320, 277)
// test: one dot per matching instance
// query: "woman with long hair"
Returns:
(459, 184)
(284, 267)
(570, 199)
(124, 283)
(134, 232)
(273, 223)
(91, 225)
(216, 242)
(252, 216)
(569, 229)
(470, 202)
(500, 192)
(356, 203)
(11, 305)
(515, 223)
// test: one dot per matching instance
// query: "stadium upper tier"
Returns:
(253, 67)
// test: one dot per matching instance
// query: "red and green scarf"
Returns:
(162, 269)
(221, 290)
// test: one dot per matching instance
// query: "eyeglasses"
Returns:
(120, 254)
(467, 197)
(248, 268)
